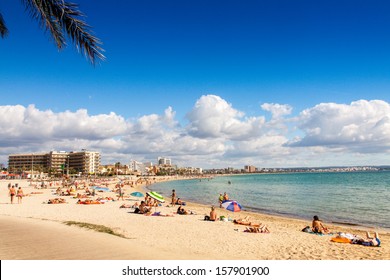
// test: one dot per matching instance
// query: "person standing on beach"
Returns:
(220, 200)
(173, 202)
(20, 194)
(12, 193)
(225, 196)
(120, 192)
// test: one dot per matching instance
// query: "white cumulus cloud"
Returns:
(362, 126)
(213, 117)
(277, 110)
(214, 134)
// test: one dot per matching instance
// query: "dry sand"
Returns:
(35, 230)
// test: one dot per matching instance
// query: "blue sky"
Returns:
(187, 55)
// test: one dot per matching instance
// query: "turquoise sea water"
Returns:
(356, 198)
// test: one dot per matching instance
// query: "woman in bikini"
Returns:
(19, 194)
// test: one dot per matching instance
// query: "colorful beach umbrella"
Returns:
(156, 196)
(137, 194)
(231, 205)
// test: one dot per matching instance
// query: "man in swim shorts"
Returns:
(12, 193)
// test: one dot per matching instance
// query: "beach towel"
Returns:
(341, 239)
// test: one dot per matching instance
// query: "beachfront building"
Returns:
(136, 166)
(164, 161)
(53, 162)
(57, 161)
(250, 168)
(84, 162)
(189, 171)
(19, 163)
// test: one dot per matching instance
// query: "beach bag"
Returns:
(307, 229)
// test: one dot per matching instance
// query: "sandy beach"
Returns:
(36, 230)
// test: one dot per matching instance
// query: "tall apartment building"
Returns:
(164, 161)
(250, 168)
(84, 162)
(137, 166)
(27, 162)
(57, 161)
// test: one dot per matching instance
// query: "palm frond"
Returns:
(59, 17)
(41, 10)
(79, 31)
(3, 27)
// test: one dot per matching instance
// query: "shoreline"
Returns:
(253, 210)
(197, 239)
(357, 227)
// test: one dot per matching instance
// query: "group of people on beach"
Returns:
(145, 207)
(15, 190)
(176, 200)
(222, 198)
(142, 208)
(318, 227)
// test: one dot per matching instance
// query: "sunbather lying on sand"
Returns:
(124, 205)
(246, 223)
(355, 239)
(369, 241)
(89, 201)
(56, 201)
(161, 214)
(261, 229)
(81, 196)
(182, 211)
